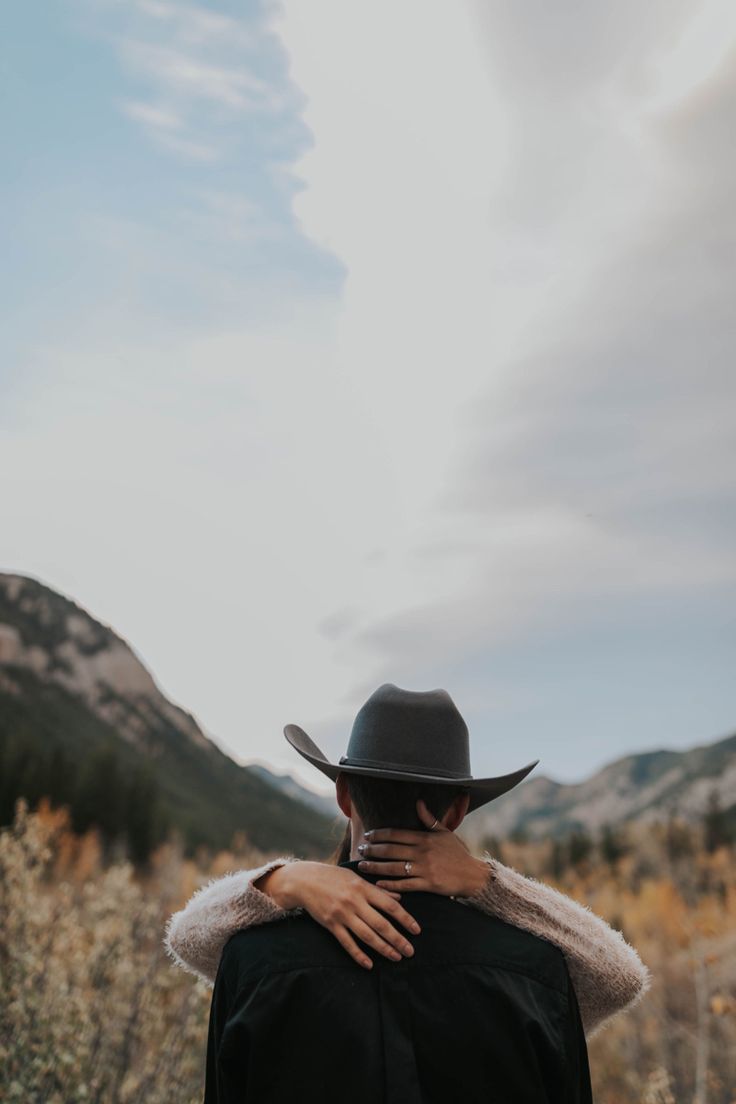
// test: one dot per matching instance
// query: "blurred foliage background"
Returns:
(93, 1010)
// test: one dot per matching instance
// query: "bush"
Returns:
(90, 1006)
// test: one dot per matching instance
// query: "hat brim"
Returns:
(482, 790)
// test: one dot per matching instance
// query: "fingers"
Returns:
(407, 885)
(385, 929)
(393, 946)
(425, 815)
(398, 914)
(367, 915)
(408, 836)
(384, 868)
(388, 850)
(344, 938)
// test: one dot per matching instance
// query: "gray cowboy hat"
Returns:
(410, 736)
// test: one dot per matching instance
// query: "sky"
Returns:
(358, 343)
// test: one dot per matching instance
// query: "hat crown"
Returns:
(420, 732)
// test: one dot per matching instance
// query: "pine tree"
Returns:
(612, 846)
(678, 838)
(99, 797)
(580, 846)
(558, 862)
(715, 826)
(144, 823)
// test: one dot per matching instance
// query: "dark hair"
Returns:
(386, 803)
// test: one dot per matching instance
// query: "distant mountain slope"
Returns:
(71, 687)
(323, 803)
(75, 699)
(643, 787)
(647, 786)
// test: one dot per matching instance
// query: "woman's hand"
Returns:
(440, 861)
(344, 903)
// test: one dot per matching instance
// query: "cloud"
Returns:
(630, 413)
(232, 218)
(181, 74)
(213, 76)
(155, 117)
(198, 26)
(486, 447)
(161, 124)
(533, 211)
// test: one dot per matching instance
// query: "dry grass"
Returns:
(92, 1010)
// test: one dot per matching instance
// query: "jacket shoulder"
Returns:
(292, 943)
(481, 937)
(453, 934)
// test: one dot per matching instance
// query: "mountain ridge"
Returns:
(646, 786)
(71, 687)
(72, 681)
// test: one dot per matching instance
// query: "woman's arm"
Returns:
(606, 971)
(608, 975)
(348, 906)
(196, 935)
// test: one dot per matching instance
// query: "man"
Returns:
(481, 1011)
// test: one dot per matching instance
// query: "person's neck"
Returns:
(356, 837)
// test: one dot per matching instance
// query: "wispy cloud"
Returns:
(200, 72)
(210, 92)
(157, 118)
(230, 217)
(184, 75)
(164, 127)
(199, 26)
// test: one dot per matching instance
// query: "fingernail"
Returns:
(362, 847)
(368, 834)
(395, 956)
(408, 949)
(362, 865)
(367, 963)
(415, 928)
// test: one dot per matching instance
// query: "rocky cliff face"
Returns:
(70, 685)
(59, 642)
(645, 787)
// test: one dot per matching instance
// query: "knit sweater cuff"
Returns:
(197, 933)
(256, 907)
(486, 897)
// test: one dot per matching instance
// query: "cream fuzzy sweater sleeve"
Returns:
(196, 935)
(606, 971)
(608, 975)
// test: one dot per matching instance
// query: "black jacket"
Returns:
(482, 1013)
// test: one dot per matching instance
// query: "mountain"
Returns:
(323, 803)
(645, 787)
(83, 721)
(81, 716)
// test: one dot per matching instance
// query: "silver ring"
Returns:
(434, 826)
(407, 868)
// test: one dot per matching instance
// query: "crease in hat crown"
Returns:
(409, 735)
(417, 731)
